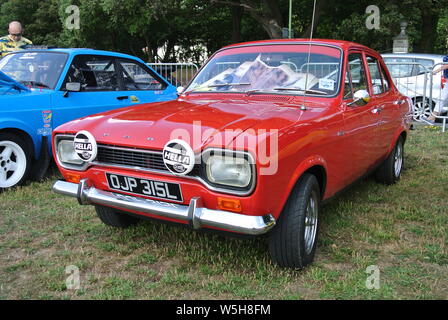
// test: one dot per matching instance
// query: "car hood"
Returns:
(199, 122)
(7, 81)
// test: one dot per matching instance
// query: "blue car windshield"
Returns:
(34, 69)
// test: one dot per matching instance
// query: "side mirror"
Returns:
(73, 86)
(180, 90)
(360, 98)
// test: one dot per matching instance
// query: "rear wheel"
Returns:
(293, 242)
(115, 218)
(390, 170)
(15, 161)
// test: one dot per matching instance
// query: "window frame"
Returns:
(112, 58)
(380, 73)
(347, 69)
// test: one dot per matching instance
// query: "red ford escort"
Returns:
(260, 137)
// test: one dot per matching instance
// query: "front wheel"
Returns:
(293, 241)
(15, 161)
(115, 218)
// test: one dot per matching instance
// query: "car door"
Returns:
(142, 84)
(100, 89)
(360, 121)
(385, 105)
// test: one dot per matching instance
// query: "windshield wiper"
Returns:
(229, 84)
(35, 84)
(300, 89)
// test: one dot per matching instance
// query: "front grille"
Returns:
(131, 157)
(147, 159)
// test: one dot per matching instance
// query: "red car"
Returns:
(261, 136)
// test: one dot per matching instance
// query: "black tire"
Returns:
(293, 242)
(115, 218)
(15, 161)
(390, 170)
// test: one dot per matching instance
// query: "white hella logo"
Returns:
(83, 146)
(176, 157)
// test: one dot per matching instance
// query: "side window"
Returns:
(355, 74)
(348, 92)
(375, 75)
(136, 77)
(386, 83)
(94, 73)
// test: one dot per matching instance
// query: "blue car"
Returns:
(42, 89)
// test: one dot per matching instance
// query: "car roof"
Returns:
(76, 51)
(338, 43)
(413, 55)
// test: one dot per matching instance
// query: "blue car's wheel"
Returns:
(14, 161)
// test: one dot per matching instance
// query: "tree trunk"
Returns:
(320, 7)
(237, 14)
(430, 18)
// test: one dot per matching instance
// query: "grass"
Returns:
(402, 229)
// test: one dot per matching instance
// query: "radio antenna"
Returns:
(309, 57)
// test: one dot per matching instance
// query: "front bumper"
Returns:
(195, 213)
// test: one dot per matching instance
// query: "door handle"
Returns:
(399, 102)
(122, 98)
(377, 110)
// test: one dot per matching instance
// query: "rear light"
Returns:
(443, 81)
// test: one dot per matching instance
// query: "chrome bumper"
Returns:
(195, 213)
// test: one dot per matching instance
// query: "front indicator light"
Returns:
(229, 204)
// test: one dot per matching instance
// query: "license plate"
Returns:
(145, 187)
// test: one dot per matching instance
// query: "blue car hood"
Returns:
(6, 81)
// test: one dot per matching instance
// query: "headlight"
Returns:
(229, 171)
(66, 153)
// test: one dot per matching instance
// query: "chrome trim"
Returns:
(206, 153)
(60, 137)
(197, 215)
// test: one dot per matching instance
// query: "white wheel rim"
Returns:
(421, 110)
(12, 164)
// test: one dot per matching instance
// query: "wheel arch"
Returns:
(314, 165)
(23, 135)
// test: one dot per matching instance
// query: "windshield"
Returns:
(34, 69)
(272, 68)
